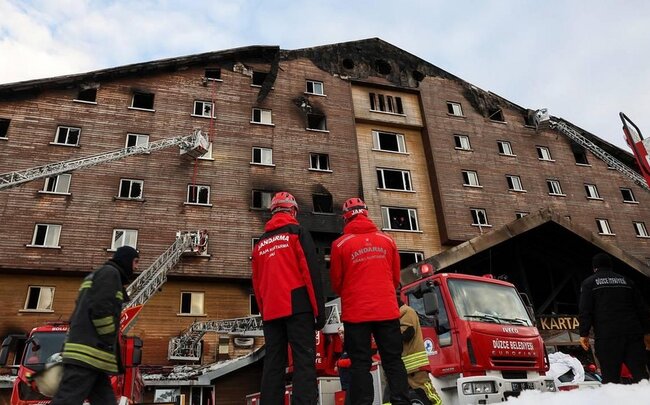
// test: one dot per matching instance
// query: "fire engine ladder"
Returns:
(543, 119)
(150, 280)
(193, 146)
(187, 346)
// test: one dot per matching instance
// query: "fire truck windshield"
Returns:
(488, 302)
(41, 346)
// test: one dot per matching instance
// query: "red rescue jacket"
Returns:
(365, 272)
(286, 276)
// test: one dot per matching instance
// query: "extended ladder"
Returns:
(543, 119)
(193, 146)
(187, 346)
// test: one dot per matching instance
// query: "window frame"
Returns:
(411, 213)
(262, 193)
(199, 188)
(57, 183)
(263, 114)
(502, 146)
(268, 152)
(208, 154)
(400, 141)
(455, 109)
(4, 127)
(407, 180)
(128, 234)
(603, 226)
(193, 294)
(56, 240)
(67, 135)
(132, 181)
(212, 69)
(212, 113)
(78, 99)
(258, 78)
(550, 185)
(640, 230)
(591, 192)
(38, 308)
(521, 214)
(313, 83)
(143, 93)
(544, 153)
(460, 141)
(469, 176)
(513, 181)
(474, 212)
(137, 140)
(325, 195)
(418, 256)
(386, 103)
(316, 155)
(633, 199)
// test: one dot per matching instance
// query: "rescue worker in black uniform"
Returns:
(289, 293)
(92, 351)
(613, 305)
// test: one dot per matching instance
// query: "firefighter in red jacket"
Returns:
(365, 271)
(288, 289)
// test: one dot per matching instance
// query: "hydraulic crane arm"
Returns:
(193, 146)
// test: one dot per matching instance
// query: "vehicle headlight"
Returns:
(550, 384)
(478, 387)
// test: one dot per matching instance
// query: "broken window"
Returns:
(137, 140)
(131, 188)
(258, 78)
(323, 203)
(496, 115)
(46, 235)
(191, 303)
(204, 109)
(67, 136)
(544, 153)
(213, 73)
(386, 103)
(87, 95)
(462, 142)
(470, 178)
(261, 116)
(505, 148)
(142, 100)
(319, 161)
(198, 194)
(603, 227)
(39, 298)
(59, 184)
(4, 127)
(454, 109)
(390, 179)
(479, 217)
(592, 191)
(394, 218)
(124, 237)
(514, 183)
(261, 199)
(640, 230)
(554, 187)
(388, 141)
(628, 195)
(408, 258)
(208, 154)
(315, 87)
(581, 157)
(262, 156)
(317, 122)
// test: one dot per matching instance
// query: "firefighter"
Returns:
(364, 272)
(414, 356)
(288, 289)
(92, 351)
(613, 305)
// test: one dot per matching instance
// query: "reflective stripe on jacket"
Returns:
(414, 355)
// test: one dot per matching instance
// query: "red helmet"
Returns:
(283, 201)
(353, 207)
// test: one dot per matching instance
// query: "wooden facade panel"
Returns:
(362, 109)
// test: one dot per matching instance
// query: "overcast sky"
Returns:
(584, 60)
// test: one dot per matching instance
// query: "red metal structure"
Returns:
(640, 146)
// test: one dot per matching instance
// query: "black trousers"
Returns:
(298, 332)
(613, 352)
(79, 383)
(389, 342)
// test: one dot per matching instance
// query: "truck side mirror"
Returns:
(4, 352)
(430, 303)
(137, 351)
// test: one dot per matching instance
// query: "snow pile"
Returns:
(606, 395)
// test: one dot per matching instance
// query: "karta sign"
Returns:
(558, 322)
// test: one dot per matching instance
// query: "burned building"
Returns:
(439, 162)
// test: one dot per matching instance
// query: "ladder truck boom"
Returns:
(543, 119)
(640, 146)
(193, 146)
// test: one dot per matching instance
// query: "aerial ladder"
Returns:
(187, 346)
(639, 146)
(542, 119)
(192, 146)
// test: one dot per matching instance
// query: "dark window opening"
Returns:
(348, 63)
(186, 303)
(4, 127)
(316, 121)
(89, 95)
(255, 310)
(319, 161)
(41, 231)
(382, 67)
(628, 196)
(213, 73)
(403, 219)
(198, 194)
(143, 100)
(323, 203)
(32, 298)
(393, 179)
(418, 76)
(479, 217)
(259, 77)
(408, 258)
(261, 199)
(528, 120)
(398, 105)
(496, 115)
(581, 157)
(388, 141)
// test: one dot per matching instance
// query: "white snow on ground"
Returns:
(606, 395)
